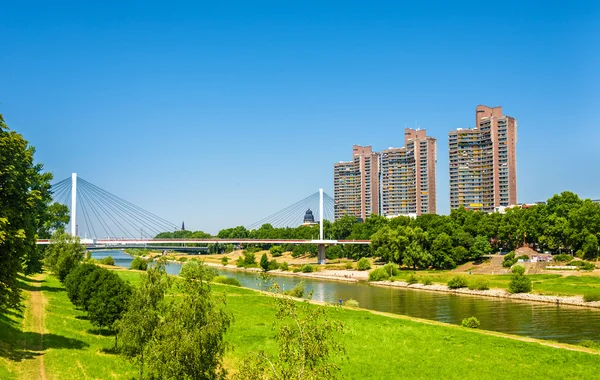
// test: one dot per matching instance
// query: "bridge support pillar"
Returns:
(321, 254)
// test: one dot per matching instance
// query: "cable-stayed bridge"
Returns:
(103, 219)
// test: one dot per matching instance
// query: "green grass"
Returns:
(551, 284)
(378, 346)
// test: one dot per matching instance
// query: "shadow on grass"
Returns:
(102, 332)
(27, 279)
(82, 317)
(16, 345)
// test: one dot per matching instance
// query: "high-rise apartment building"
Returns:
(483, 162)
(408, 184)
(356, 184)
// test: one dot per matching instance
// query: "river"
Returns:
(566, 324)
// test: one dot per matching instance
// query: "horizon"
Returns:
(222, 115)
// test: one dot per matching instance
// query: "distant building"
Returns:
(309, 218)
(408, 182)
(356, 184)
(483, 162)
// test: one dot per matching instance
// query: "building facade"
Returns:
(408, 182)
(356, 184)
(483, 163)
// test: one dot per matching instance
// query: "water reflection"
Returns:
(537, 320)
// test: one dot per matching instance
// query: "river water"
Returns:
(537, 320)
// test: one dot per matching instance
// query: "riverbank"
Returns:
(494, 293)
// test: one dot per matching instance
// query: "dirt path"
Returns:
(34, 322)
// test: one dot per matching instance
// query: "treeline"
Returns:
(565, 223)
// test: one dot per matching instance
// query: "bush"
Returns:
(108, 260)
(297, 291)
(457, 282)
(182, 259)
(589, 344)
(296, 270)
(307, 268)
(519, 283)
(284, 266)
(587, 266)
(352, 303)
(592, 296)
(479, 284)
(392, 269)
(426, 281)
(379, 274)
(522, 257)
(363, 264)
(224, 260)
(276, 250)
(138, 263)
(249, 259)
(509, 260)
(226, 280)
(562, 258)
(471, 323)
(349, 265)
(273, 265)
(411, 279)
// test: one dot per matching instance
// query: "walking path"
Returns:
(33, 322)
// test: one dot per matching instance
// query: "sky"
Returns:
(221, 113)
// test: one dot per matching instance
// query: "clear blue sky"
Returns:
(220, 113)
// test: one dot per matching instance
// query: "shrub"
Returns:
(426, 281)
(519, 283)
(509, 260)
(589, 344)
(522, 257)
(74, 280)
(349, 265)
(296, 270)
(457, 282)
(224, 260)
(240, 262)
(108, 260)
(249, 259)
(587, 266)
(284, 266)
(297, 291)
(471, 323)
(182, 259)
(276, 250)
(138, 263)
(392, 269)
(363, 264)
(307, 268)
(352, 303)
(590, 296)
(479, 284)
(562, 258)
(411, 279)
(378, 274)
(226, 280)
(273, 265)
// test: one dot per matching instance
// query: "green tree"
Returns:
(197, 270)
(519, 283)
(264, 262)
(143, 314)
(74, 280)
(108, 301)
(24, 198)
(224, 260)
(188, 342)
(64, 254)
(441, 251)
(306, 338)
(590, 247)
(480, 247)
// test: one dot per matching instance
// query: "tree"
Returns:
(306, 342)
(108, 301)
(136, 326)
(441, 250)
(198, 271)
(590, 247)
(74, 280)
(24, 197)
(264, 262)
(480, 247)
(519, 283)
(64, 254)
(417, 256)
(188, 342)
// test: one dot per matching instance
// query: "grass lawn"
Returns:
(378, 346)
(552, 284)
